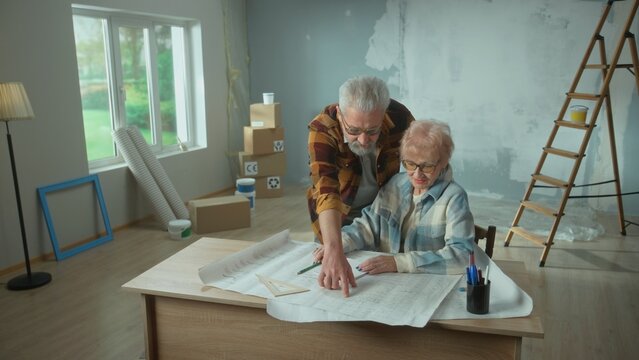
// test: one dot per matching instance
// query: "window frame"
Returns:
(113, 20)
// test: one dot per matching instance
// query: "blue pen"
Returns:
(472, 269)
(473, 274)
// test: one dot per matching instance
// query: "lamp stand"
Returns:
(29, 280)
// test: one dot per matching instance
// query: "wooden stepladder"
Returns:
(603, 96)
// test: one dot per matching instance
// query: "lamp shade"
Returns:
(14, 103)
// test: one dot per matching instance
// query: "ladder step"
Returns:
(606, 66)
(583, 96)
(528, 235)
(539, 208)
(560, 152)
(550, 180)
(572, 124)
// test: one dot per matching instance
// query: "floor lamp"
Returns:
(14, 105)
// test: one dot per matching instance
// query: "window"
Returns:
(133, 70)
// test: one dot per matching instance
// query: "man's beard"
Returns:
(359, 150)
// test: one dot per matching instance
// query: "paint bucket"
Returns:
(578, 113)
(179, 229)
(268, 98)
(246, 187)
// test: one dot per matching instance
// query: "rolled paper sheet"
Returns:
(159, 174)
(143, 176)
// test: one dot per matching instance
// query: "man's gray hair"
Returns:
(364, 93)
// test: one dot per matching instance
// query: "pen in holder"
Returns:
(478, 297)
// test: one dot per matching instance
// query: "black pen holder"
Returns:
(477, 298)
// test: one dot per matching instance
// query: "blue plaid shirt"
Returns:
(441, 241)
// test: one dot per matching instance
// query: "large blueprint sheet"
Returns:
(395, 299)
(392, 298)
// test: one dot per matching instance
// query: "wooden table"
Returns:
(185, 319)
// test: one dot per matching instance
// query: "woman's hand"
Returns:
(378, 265)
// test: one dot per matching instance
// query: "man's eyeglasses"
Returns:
(355, 131)
(424, 167)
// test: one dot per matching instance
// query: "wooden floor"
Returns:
(589, 291)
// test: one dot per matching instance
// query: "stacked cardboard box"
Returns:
(219, 213)
(263, 157)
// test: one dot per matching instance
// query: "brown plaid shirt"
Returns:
(336, 172)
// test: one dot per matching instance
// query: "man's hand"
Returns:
(336, 272)
(318, 254)
(379, 264)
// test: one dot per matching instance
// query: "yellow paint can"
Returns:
(578, 113)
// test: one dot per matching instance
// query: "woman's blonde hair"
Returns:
(424, 135)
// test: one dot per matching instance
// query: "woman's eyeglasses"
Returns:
(424, 167)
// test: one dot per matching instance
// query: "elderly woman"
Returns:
(421, 216)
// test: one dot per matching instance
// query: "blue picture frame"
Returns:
(42, 194)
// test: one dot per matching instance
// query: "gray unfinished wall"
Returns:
(496, 71)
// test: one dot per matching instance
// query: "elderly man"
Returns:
(353, 148)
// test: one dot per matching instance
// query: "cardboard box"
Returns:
(265, 115)
(262, 165)
(219, 213)
(268, 187)
(263, 140)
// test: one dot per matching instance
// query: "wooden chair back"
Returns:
(489, 235)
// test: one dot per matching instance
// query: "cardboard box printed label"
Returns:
(263, 140)
(262, 165)
(265, 115)
(268, 187)
(219, 213)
